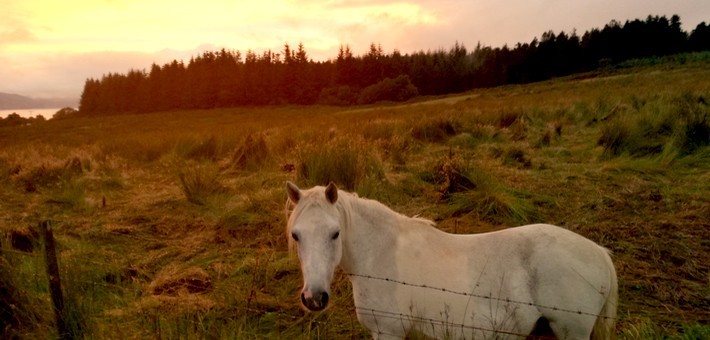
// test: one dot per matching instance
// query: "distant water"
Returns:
(28, 113)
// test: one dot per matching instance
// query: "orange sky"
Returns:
(48, 47)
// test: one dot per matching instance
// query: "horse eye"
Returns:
(335, 236)
(295, 236)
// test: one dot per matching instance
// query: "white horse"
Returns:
(409, 276)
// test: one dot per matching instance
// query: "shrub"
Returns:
(65, 113)
(340, 95)
(399, 89)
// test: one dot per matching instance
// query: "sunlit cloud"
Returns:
(84, 26)
(17, 35)
(40, 40)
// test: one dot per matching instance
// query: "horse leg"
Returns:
(383, 336)
(541, 330)
(383, 327)
(572, 328)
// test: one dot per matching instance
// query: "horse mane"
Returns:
(367, 206)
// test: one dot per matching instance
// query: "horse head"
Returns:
(315, 226)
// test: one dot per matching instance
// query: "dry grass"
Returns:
(134, 245)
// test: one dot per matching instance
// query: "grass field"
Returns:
(170, 225)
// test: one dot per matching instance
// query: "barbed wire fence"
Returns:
(376, 313)
(53, 275)
(482, 296)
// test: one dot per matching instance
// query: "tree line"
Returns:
(227, 78)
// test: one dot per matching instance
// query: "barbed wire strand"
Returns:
(480, 296)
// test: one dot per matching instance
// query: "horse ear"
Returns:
(294, 194)
(331, 193)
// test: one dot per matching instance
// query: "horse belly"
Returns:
(461, 301)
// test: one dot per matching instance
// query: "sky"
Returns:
(49, 48)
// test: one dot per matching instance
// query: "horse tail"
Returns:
(605, 326)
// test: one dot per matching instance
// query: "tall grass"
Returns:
(207, 149)
(472, 190)
(495, 203)
(680, 126)
(19, 315)
(435, 130)
(645, 329)
(341, 161)
(252, 154)
(200, 182)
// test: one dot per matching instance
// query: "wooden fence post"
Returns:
(55, 287)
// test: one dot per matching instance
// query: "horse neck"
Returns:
(371, 231)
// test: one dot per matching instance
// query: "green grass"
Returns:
(180, 199)
(342, 161)
(680, 125)
(199, 182)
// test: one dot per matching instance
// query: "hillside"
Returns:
(224, 78)
(171, 225)
(9, 101)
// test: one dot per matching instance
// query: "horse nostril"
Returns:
(324, 299)
(314, 302)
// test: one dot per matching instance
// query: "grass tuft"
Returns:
(435, 130)
(341, 161)
(252, 154)
(515, 155)
(452, 176)
(495, 204)
(203, 150)
(468, 190)
(682, 126)
(508, 117)
(200, 182)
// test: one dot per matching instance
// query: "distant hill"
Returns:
(9, 101)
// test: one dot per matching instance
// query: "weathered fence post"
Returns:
(55, 287)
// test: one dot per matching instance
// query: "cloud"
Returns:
(50, 48)
(17, 35)
(64, 74)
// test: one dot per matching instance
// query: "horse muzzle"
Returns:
(315, 302)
